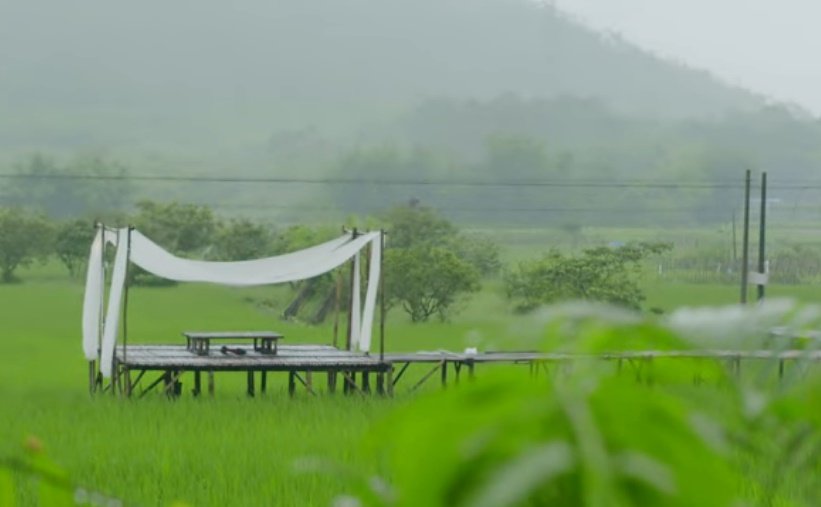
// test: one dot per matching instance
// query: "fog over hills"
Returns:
(178, 77)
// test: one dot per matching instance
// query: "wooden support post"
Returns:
(350, 382)
(444, 373)
(337, 299)
(332, 381)
(166, 382)
(92, 377)
(263, 381)
(780, 369)
(291, 383)
(457, 369)
(389, 381)
(251, 383)
(127, 381)
(211, 388)
(380, 383)
(382, 308)
(366, 382)
(471, 374)
(197, 383)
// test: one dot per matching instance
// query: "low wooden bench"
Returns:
(265, 342)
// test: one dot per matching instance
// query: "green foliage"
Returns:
(72, 242)
(177, 227)
(597, 274)
(242, 239)
(480, 252)
(24, 238)
(430, 265)
(298, 237)
(427, 280)
(416, 225)
(795, 264)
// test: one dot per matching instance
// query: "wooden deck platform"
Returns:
(300, 361)
(288, 358)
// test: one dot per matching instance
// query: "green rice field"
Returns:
(229, 450)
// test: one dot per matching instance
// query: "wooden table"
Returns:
(265, 342)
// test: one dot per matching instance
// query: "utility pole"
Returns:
(735, 243)
(745, 245)
(762, 239)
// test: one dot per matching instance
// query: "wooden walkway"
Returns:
(301, 361)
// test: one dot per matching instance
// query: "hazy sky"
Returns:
(769, 46)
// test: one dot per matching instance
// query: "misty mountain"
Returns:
(179, 80)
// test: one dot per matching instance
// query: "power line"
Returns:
(568, 183)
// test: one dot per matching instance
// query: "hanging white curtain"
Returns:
(356, 304)
(92, 307)
(295, 266)
(115, 296)
(370, 296)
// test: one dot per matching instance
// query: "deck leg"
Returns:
(291, 384)
(366, 382)
(331, 382)
(197, 383)
(263, 381)
(92, 377)
(444, 373)
(251, 383)
(457, 369)
(781, 369)
(471, 374)
(167, 383)
(127, 380)
(389, 380)
(350, 382)
(211, 384)
(380, 383)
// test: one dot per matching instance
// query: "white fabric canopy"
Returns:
(133, 246)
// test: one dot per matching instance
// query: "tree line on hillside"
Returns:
(430, 264)
(509, 160)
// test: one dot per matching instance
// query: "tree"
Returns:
(598, 274)
(177, 227)
(72, 242)
(24, 238)
(430, 264)
(427, 281)
(242, 239)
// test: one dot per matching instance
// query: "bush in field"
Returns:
(597, 274)
(24, 238)
(796, 264)
(71, 243)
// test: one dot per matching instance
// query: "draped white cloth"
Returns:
(92, 301)
(356, 303)
(146, 254)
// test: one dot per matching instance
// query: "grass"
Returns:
(231, 450)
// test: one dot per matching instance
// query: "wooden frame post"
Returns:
(745, 242)
(382, 296)
(350, 302)
(125, 305)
